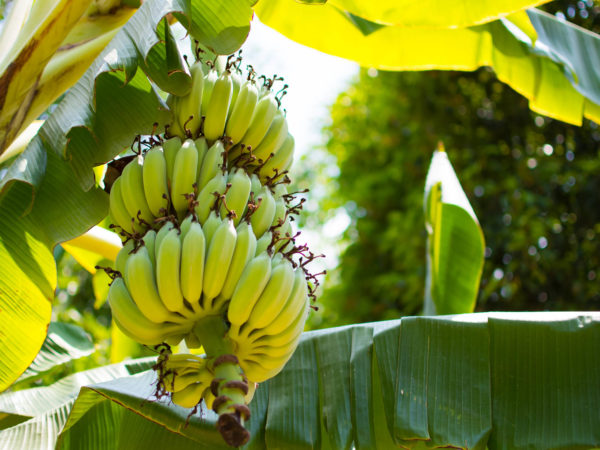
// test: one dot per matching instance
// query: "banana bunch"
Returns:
(267, 314)
(224, 106)
(177, 179)
(210, 254)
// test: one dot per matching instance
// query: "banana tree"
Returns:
(463, 381)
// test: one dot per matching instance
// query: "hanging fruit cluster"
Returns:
(210, 256)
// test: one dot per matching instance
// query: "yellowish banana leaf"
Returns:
(46, 48)
(432, 13)
(563, 84)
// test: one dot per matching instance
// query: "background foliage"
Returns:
(531, 180)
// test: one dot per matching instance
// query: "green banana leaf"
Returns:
(32, 419)
(48, 194)
(495, 380)
(64, 343)
(558, 75)
(455, 244)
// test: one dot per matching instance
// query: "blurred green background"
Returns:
(532, 181)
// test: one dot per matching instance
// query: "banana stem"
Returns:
(229, 386)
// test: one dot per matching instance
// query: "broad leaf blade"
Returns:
(22, 64)
(108, 403)
(221, 26)
(41, 413)
(457, 14)
(578, 50)
(291, 420)
(64, 342)
(499, 44)
(501, 380)
(455, 247)
(544, 379)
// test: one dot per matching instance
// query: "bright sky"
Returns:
(315, 80)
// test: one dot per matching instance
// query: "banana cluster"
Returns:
(209, 254)
(227, 106)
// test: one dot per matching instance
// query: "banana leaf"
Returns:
(487, 380)
(455, 244)
(557, 73)
(434, 14)
(64, 343)
(48, 195)
(32, 418)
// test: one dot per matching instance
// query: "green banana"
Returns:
(140, 280)
(202, 147)
(297, 300)
(189, 106)
(132, 191)
(209, 83)
(218, 259)
(212, 164)
(274, 354)
(184, 362)
(237, 195)
(176, 381)
(285, 234)
(123, 256)
(261, 121)
(280, 161)
(273, 298)
(283, 338)
(206, 198)
(154, 176)
(236, 83)
(118, 212)
(149, 241)
(131, 320)
(263, 243)
(278, 131)
(190, 396)
(209, 227)
(241, 112)
(184, 177)
(192, 263)
(144, 337)
(168, 260)
(273, 358)
(257, 373)
(280, 212)
(175, 129)
(185, 226)
(250, 286)
(262, 218)
(245, 247)
(218, 107)
(168, 226)
(170, 148)
(257, 186)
